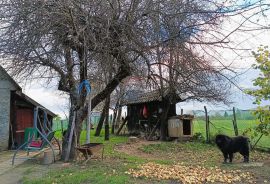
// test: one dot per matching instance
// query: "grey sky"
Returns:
(242, 60)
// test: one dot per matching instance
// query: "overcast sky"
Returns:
(57, 102)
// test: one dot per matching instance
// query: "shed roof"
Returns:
(35, 104)
(137, 97)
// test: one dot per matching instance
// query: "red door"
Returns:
(24, 119)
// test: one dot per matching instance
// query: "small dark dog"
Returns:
(230, 145)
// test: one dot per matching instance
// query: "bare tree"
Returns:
(65, 40)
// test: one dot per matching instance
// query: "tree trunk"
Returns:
(119, 115)
(164, 120)
(102, 117)
(66, 139)
(123, 72)
(100, 123)
(65, 145)
(76, 133)
(107, 128)
(114, 119)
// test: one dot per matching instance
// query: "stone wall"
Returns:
(4, 117)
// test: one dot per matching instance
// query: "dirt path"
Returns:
(13, 174)
(133, 149)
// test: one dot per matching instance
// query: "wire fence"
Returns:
(222, 122)
(61, 125)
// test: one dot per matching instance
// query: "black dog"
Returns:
(230, 145)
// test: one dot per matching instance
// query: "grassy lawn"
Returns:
(118, 162)
(110, 170)
(226, 127)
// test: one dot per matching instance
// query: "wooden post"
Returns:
(235, 123)
(206, 125)
(88, 122)
(70, 136)
(181, 111)
(62, 126)
(122, 125)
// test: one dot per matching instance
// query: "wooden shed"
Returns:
(144, 109)
(16, 112)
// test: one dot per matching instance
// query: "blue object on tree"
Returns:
(84, 84)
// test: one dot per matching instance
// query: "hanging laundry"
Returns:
(145, 112)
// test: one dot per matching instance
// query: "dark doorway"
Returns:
(186, 127)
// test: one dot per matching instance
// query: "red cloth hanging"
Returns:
(145, 112)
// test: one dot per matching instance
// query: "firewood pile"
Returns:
(191, 174)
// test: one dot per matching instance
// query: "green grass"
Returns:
(96, 172)
(111, 170)
(174, 147)
(226, 127)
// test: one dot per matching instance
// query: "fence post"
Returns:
(235, 123)
(62, 126)
(208, 132)
(181, 111)
(207, 125)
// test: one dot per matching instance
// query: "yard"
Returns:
(226, 127)
(151, 162)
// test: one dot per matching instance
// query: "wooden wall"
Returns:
(135, 114)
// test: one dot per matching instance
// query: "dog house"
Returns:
(181, 126)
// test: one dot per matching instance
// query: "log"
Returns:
(122, 125)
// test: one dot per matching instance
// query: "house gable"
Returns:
(6, 81)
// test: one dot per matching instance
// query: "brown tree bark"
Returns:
(100, 123)
(123, 72)
(102, 117)
(77, 103)
(107, 128)
(118, 119)
(114, 117)
(164, 120)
